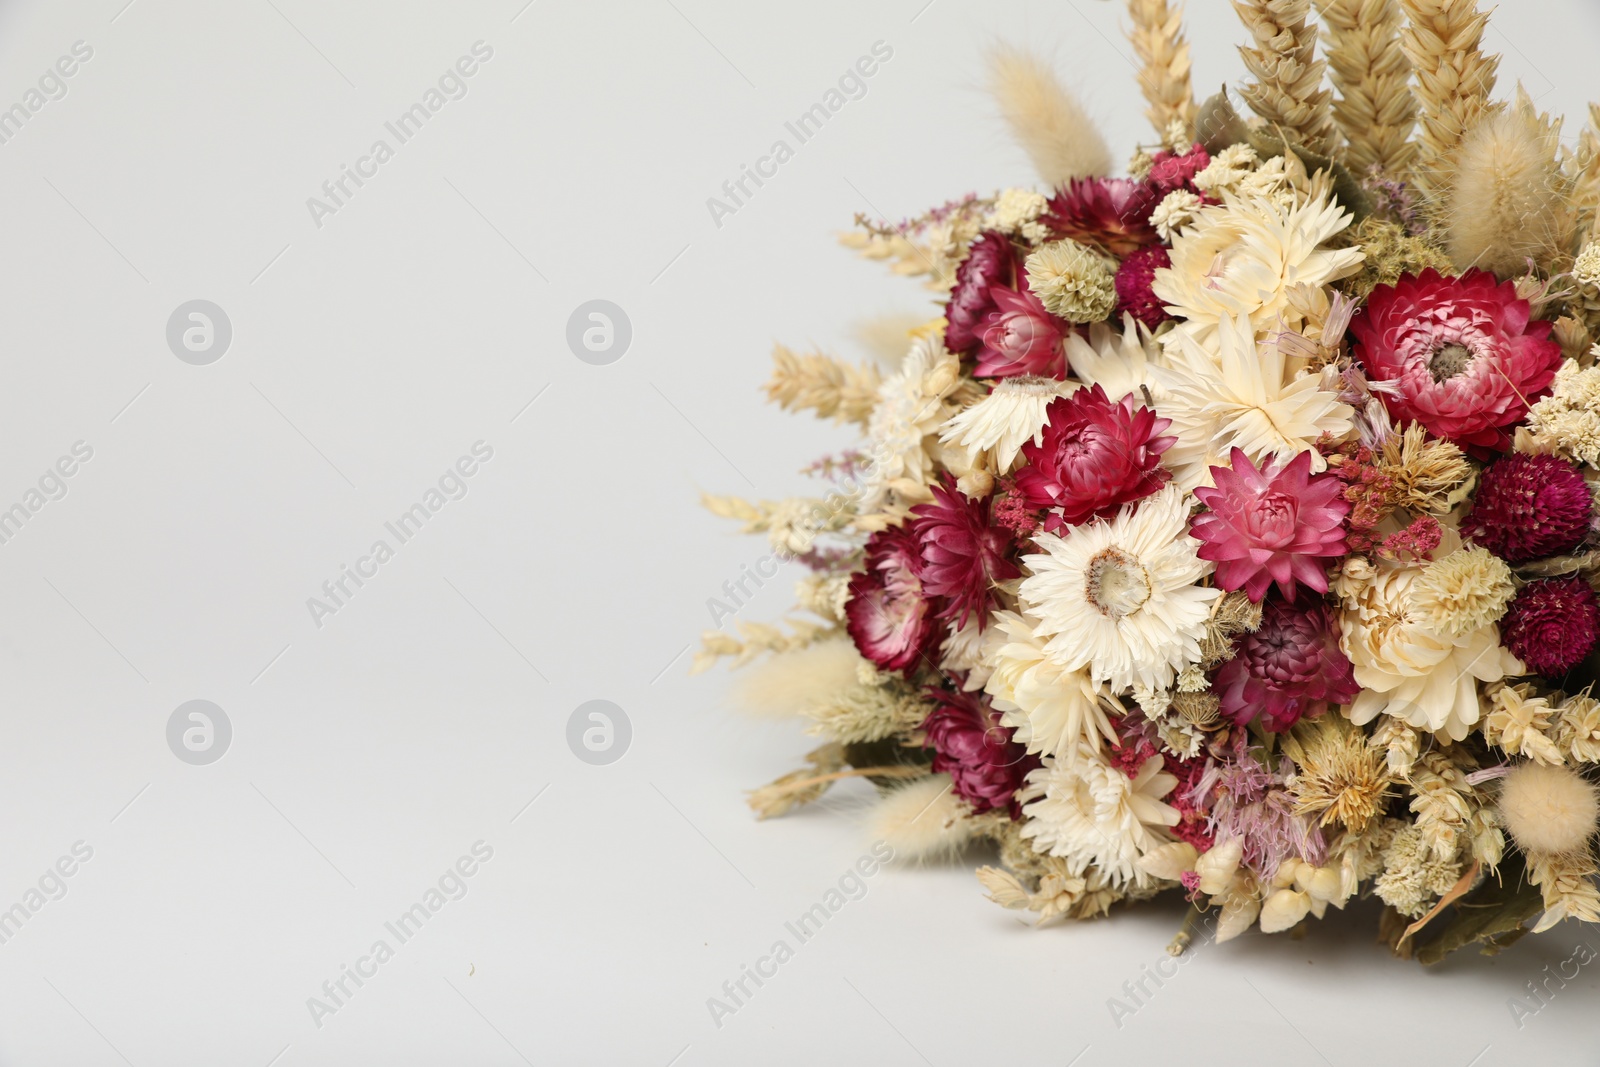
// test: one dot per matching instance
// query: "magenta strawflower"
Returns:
(963, 553)
(1552, 625)
(1020, 337)
(1271, 524)
(1094, 457)
(1113, 213)
(1290, 668)
(1134, 279)
(888, 616)
(1528, 507)
(991, 261)
(986, 767)
(1464, 355)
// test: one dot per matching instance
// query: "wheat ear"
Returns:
(1375, 109)
(1157, 36)
(1287, 90)
(1454, 78)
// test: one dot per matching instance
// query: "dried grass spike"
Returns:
(1287, 88)
(1157, 36)
(1047, 122)
(1375, 109)
(1454, 78)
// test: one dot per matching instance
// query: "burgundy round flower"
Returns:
(1528, 507)
(888, 616)
(1464, 357)
(1290, 668)
(1094, 457)
(1276, 523)
(1133, 281)
(991, 261)
(1113, 213)
(1552, 625)
(1020, 337)
(985, 765)
(963, 553)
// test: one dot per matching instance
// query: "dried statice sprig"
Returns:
(1156, 33)
(1375, 109)
(1287, 88)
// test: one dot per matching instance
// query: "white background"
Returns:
(368, 354)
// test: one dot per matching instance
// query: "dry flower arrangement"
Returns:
(1231, 532)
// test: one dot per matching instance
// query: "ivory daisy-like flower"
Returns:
(1072, 281)
(1178, 209)
(1119, 363)
(912, 405)
(1409, 670)
(1241, 257)
(1119, 598)
(1244, 397)
(1054, 711)
(1092, 815)
(1002, 422)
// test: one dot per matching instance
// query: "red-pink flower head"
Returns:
(1113, 213)
(1552, 625)
(986, 767)
(991, 261)
(1134, 280)
(1528, 507)
(963, 554)
(1094, 457)
(1271, 524)
(1020, 337)
(888, 616)
(1463, 356)
(1289, 668)
(1170, 172)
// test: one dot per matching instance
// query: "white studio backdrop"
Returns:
(387, 361)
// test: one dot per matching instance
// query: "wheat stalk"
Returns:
(1375, 109)
(1586, 177)
(1287, 90)
(1157, 36)
(1454, 79)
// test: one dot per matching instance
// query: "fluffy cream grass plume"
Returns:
(1586, 176)
(1453, 81)
(1287, 88)
(1045, 119)
(1375, 109)
(1157, 36)
(820, 383)
(923, 819)
(792, 683)
(1509, 201)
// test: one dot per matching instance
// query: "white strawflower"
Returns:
(911, 407)
(1073, 281)
(1177, 209)
(1241, 394)
(1002, 422)
(1017, 211)
(1092, 815)
(1119, 363)
(1463, 591)
(1054, 711)
(1226, 169)
(1119, 598)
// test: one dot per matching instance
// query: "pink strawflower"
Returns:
(991, 261)
(1465, 358)
(1133, 281)
(1290, 668)
(1552, 625)
(1094, 457)
(1529, 507)
(963, 554)
(1271, 524)
(1170, 172)
(888, 615)
(986, 767)
(1020, 337)
(1113, 213)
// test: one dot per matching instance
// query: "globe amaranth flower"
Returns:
(1553, 624)
(1095, 456)
(1020, 337)
(1271, 524)
(986, 767)
(1289, 668)
(1463, 355)
(1133, 282)
(1112, 213)
(991, 261)
(963, 554)
(1170, 171)
(1529, 507)
(889, 616)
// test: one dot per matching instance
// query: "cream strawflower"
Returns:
(1092, 815)
(1177, 209)
(1245, 397)
(1409, 670)
(1072, 281)
(1119, 598)
(1240, 257)
(1055, 711)
(1119, 363)
(1002, 422)
(1017, 211)
(911, 406)
(1463, 591)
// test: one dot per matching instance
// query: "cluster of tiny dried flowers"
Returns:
(1223, 537)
